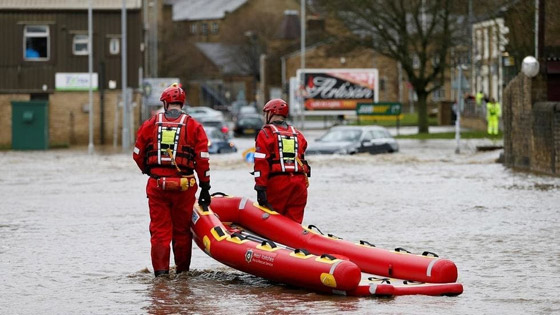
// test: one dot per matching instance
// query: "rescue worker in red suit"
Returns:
(170, 148)
(281, 172)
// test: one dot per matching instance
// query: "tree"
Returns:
(412, 32)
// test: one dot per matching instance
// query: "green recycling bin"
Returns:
(30, 125)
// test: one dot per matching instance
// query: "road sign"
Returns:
(379, 109)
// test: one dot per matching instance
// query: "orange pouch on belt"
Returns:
(175, 183)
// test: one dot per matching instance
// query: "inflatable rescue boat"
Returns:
(225, 232)
(401, 264)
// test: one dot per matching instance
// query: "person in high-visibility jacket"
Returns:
(493, 114)
(478, 98)
(170, 148)
(281, 171)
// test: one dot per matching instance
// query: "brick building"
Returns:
(44, 57)
(221, 48)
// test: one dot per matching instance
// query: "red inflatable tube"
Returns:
(322, 274)
(394, 264)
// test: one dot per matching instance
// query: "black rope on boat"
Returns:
(238, 235)
(219, 231)
(400, 249)
(334, 236)
(330, 257)
(311, 227)
(366, 243)
(218, 193)
(301, 250)
(427, 253)
(270, 243)
(383, 280)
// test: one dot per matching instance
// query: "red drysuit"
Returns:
(171, 191)
(281, 169)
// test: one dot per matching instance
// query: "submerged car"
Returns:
(354, 139)
(248, 124)
(218, 142)
(201, 112)
(220, 124)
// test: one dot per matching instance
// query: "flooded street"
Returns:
(74, 233)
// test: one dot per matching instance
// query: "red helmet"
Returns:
(276, 107)
(173, 94)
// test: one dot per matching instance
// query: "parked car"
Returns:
(220, 124)
(201, 112)
(218, 142)
(354, 139)
(245, 110)
(248, 124)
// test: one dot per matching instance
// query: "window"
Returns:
(382, 84)
(204, 28)
(194, 28)
(415, 61)
(438, 95)
(215, 28)
(114, 46)
(36, 42)
(435, 60)
(80, 45)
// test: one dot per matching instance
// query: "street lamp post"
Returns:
(459, 106)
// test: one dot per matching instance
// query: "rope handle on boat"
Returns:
(330, 257)
(218, 193)
(301, 250)
(366, 243)
(427, 253)
(270, 243)
(311, 227)
(383, 280)
(238, 235)
(400, 249)
(334, 236)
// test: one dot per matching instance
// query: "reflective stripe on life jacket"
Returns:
(287, 149)
(169, 135)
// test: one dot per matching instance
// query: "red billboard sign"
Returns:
(338, 89)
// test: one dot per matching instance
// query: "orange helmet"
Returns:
(276, 106)
(173, 94)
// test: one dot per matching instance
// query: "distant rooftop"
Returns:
(222, 56)
(67, 4)
(193, 10)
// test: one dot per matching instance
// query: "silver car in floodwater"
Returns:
(354, 139)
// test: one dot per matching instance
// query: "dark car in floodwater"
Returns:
(218, 142)
(354, 139)
(248, 124)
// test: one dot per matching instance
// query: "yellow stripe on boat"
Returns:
(300, 255)
(236, 240)
(326, 260)
(267, 247)
(217, 236)
(328, 280)
(256, 204)
(206, 242)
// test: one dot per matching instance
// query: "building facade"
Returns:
(44, 56)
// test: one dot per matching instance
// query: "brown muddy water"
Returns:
(74, 233)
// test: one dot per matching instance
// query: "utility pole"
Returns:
(302, 65)
(90, 70)
(458, 107)
(126, 110)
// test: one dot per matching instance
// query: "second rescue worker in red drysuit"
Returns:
(280, 168)
(170, 147)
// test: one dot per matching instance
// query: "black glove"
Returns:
(263, 200)
(204, 198)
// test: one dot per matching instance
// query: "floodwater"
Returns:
(74, 233)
